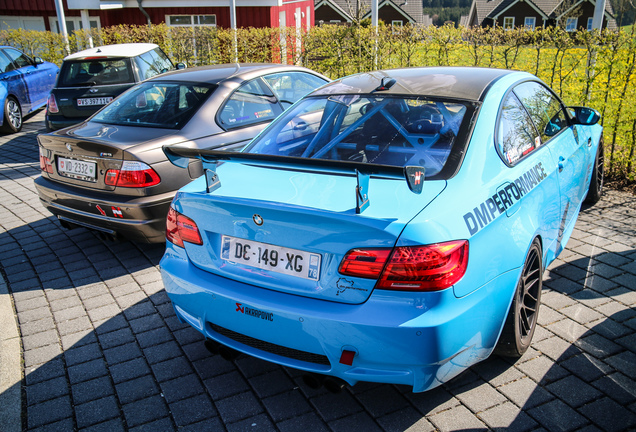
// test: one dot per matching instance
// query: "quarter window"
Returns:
(152, 63)
(516, 135)
(544, 108)
(251, 103)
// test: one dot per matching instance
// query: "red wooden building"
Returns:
(42, 15)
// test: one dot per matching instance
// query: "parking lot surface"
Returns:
(102, 349)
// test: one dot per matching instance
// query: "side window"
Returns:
(290, 87)
(5, 64)
(516, 135)
(250, 104)
(20, 59)
(544, 108)
(147, 66)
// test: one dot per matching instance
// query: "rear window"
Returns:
(369, 129)
(92, 72)
(156, 104)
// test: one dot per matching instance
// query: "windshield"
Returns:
(155, 104)
(397, 131)
(91, 72)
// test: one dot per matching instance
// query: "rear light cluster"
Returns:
(45, 163)
(132, 174)
(180, 228)
(409, 268)
(51, 105)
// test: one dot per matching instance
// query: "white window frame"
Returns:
(512, 24)
(24, 22)
(167, 19)
(589, 23)
(398, 23)
(569, 21)
(530, 26)
(77, 22)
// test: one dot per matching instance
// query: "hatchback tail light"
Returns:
(132, 174)
(45, 163)
(180, 228)
(410, 268)
(51, 104)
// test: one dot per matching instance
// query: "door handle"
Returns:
(561, 160)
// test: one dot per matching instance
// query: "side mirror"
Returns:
(584, 115)
(181, 65)
(38, 60)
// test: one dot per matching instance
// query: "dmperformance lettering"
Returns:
(505, 197)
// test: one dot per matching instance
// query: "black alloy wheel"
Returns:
(522, 318)
(595, 190)
(12, 116)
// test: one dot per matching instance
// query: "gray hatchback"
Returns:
(90, 79)
(109, 173)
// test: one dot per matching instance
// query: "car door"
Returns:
(35, 79)
(554, 129)
(13, 81)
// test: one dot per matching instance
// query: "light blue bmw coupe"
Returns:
(391, 226)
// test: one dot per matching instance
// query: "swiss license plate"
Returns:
(265, 256)
(76, 168)
(93, 101)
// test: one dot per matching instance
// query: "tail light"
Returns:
(410, 268)
(45, 163)
(51, 104)
(132, 174)
(180, 228)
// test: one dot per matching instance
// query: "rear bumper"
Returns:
(416, 339)
(141, 219)
(54, 122)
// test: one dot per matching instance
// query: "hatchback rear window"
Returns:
(156, 104)
(92, 72)
(393, 131)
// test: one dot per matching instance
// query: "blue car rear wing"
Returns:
(414, 175)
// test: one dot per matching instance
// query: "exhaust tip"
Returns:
(313, 381)
(334, 385)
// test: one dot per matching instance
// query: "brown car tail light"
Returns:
(132, 174)
(45, 163)
(51, 104)
(180, 229)
(410, 268)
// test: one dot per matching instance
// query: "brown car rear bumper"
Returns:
(141, 219)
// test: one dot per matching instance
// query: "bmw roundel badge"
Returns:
(68, 147)
(258, 220)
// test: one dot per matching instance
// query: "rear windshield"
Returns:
(395, 131)
(95, 72)
(156, 104)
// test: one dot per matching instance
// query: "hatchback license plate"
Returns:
(265, 256)
(76, 169)
(94, 101)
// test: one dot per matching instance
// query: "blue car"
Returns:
(25, 84)
(389, 227)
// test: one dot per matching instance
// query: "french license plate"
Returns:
(265, 256)
(93, 101)
(76, 169)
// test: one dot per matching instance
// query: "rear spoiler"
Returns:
(180, 156)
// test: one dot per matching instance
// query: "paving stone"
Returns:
(192, 410)
(154, 337)
(226, 385)
(360, 421)
(272, 383)
(542, 369)
(87, 371)
(181, 388)
(507, 416)
(116, 338)
(609, 415)
(114, 425)
(525, 393)
(82, 354)
(41, 355)
(96, 411)
(617, 386)
(39, 340)
(455, 419)
(381, 400)
(50, 411)
(556, 415)
(164, 425)
(556, 348)
(46, 390)
(145, 411)
(91, 390)
(563, 390)
(170, 369)
(239, 407)
(135, 389)
(586, 367)
(129, 370)
(263, 423)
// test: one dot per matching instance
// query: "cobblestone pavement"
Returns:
(103, 350)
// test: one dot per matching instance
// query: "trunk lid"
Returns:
(299, 213)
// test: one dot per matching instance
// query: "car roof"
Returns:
(213, 74)
(468, 83)
(118, 50)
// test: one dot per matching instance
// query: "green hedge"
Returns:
(586, 68)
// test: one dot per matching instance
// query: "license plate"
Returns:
(265, 256)
(76, 169)
(94, 101)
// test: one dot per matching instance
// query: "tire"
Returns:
(12, 116)
(522, 318)
(595, 190)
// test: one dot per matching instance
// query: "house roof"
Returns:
(482, 9)
(411, 10)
